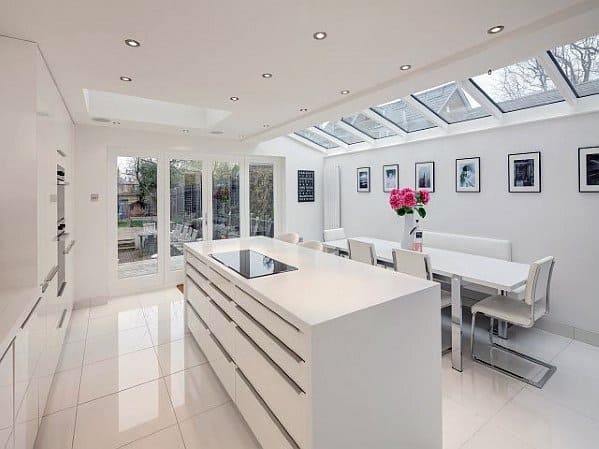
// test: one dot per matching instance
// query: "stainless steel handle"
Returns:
(62, 153)
(62, 183)
(69, 247)
(31, 313)
(49, 277)
(60, 236)
(61, 322)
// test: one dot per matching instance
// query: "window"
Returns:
(316, 138)
(519, 86)
(335, 130)
(225, 200)
(579, 62)
(404, 116)
(368, 126)
(451, 103)
(261, 199)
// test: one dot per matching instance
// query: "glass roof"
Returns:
(451, 103)
(519, 86)
(316, 138)
(579, 63)
(404, 116)
(368, 126)
(339, 132)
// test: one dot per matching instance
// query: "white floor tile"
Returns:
(118, 322)
(76, 332)
(64, 391)
(116, 344)
(56, 430)
(121, 418)
(179, 355)
(165, 311)
(194, 391)
(161, 296)
(494, 437)
(459, 424)
(534, 342)
(220, 428)
(117, 374)
(72, 356)
(165, 331)
(169, 438)
(80, 316)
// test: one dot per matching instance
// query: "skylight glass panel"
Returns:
(368, 126)
(451, 103)
(339, 132)
(579, 63)
(404, 116)
(519, 86)
(316, 138)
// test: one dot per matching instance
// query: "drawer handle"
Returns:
(199, 288)
(218, 289)
(198, 272)
(222, 312)
(276, 367)
(69, 248)
(221, 347)
(276, 339)
(62, 317)
(31, 313)
(295, 328)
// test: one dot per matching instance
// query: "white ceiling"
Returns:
(200, 53)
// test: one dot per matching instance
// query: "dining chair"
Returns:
(362, 251)
(312, 244)
(290, 237)
(520, 313)
(334, 234)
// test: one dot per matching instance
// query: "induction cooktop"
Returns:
(251, 264)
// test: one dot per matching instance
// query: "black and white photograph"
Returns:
(588, 169)
(390, 177)
(467, 174)
(425, 176)
(363, 179)
(524, 172)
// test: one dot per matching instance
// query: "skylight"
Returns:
(316, 139)
(579, 62)
(451, 103)
(404, 116)
(368, 126)
(519, 86)
(336, 130)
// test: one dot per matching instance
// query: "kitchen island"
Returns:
(333, 354)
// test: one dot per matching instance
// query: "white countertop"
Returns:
(323, 288)
(15, 304)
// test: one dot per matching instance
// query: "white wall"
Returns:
(559, 221)
(93, 142)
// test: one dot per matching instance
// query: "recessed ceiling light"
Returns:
(496, 29)
(266, 126)
(405, 67)
(319, 35)
(132, 43)
(185, 131)
(344, 92)
(217, 132)
(116, 122)
(234, 98)
(303, 109)
(267, 75)
(126, 78)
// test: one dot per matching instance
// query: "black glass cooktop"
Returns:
(251, 264)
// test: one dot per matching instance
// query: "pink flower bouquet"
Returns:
(408, 201)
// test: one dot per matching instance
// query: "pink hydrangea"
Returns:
(405, 190)
(396, 201)
(424, 196)
(409, 199)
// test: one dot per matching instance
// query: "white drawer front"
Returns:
(194, 324)
(282, 355)
(286, 400)
(197, 276)
(208, 272)
(221, 299)
(268, 431)
(220, 362)
(221, 326)
(197, 298)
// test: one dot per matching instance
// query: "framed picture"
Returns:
(363, 179)
(425, 176)
(588, 169)
(305, 186)
(524, 172)
(390, 177)
(467, 174)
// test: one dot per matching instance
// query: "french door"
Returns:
(163, 201)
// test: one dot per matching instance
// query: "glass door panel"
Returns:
(225, 200)
(137, 221)
(186, 208)
(261, 182)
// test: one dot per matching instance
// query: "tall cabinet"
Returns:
(36, 137)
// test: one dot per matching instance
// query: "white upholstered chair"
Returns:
(522, 313)
(312, 244)
(290, 237)
(361, 251)
(334, 234)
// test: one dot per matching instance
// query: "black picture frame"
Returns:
(396, 186)
(583, 171)
(477, 175)
(432, 165)
(534, 155)
(365, 170)
(305, 186)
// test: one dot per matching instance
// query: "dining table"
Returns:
(502, 275)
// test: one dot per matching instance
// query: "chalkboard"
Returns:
(305, 186)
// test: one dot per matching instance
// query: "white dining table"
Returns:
(502, 275)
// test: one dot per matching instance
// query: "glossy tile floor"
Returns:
(130, 376)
